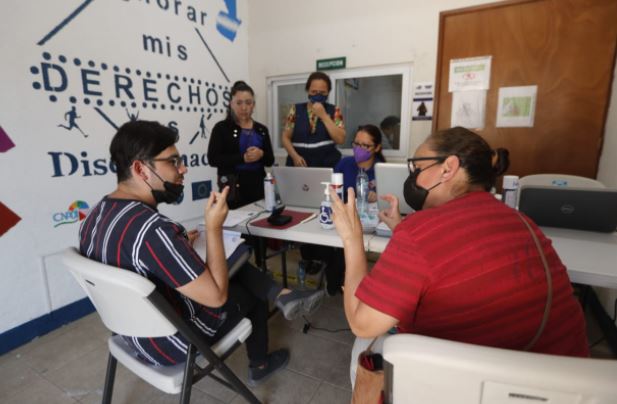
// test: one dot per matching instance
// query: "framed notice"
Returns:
(517, 106)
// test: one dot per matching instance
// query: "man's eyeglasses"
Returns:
(176, 161)
(365, 146)
(411, 163)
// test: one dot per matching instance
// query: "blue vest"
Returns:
(326, 155)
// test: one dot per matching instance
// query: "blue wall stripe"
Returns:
(26, 332)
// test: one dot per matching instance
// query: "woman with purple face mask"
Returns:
(366, 152)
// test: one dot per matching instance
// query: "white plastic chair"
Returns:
(129, 304)
(420, 369)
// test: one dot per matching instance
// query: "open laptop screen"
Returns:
(301, 186)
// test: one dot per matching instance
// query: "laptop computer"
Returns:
(390, 178)
(301, 186)
(591, 209)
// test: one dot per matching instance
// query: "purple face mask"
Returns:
(360, 154)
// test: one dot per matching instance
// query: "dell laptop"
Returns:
(591, 209)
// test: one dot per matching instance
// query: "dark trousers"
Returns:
(249, 291)
(335, 263)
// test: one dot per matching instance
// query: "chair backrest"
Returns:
(119, 296)
(560, 180)
(431, 370)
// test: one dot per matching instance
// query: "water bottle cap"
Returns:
(337, 178)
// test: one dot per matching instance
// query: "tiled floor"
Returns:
(68, 365)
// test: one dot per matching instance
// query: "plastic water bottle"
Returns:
(269, 195)
(510, 190)
(301, 276)
(362, 195)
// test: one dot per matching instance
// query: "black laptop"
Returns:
(592, 209)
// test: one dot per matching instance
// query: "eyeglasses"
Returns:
(248, 103)
(176, 161)
(411, 163)
(365, 146)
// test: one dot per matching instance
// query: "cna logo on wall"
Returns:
(77, 211)
(108, 91)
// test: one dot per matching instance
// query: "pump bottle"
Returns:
(325, 210)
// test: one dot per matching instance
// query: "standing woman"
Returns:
(314, 128)
(240, 148)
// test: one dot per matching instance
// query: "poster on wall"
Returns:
(516, 106)
(75, 71)
(468, 109)
(470, 74)
(422, 106)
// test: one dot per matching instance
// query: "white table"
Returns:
(590, 257)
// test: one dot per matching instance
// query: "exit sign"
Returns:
(331, 64)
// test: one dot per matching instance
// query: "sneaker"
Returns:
(275, 361)
(297, 302)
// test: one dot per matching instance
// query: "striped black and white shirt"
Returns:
(132, 235)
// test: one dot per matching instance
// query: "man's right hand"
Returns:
(391, 216)
(216, 209)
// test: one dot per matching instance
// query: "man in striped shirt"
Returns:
(126, 230)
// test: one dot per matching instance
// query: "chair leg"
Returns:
(237, 384)
(110, 377)
(187, 382)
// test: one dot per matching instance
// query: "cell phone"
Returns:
(276, 219)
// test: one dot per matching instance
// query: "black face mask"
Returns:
(173, 193)
(415, 196)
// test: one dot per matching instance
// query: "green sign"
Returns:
(331, 64)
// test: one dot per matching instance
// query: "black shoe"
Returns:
(275, 361)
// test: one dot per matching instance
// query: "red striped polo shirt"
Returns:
(469, 271)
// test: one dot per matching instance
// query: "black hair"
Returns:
(318, 76)
(389, 121)
(482, 164)
(375, 134)
(138, 140)
(238, 86)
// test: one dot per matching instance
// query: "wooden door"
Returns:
(566, 48)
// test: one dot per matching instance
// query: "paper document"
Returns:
(235, 217)
(231, 241)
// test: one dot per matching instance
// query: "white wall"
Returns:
(111, 33)
(287, 37)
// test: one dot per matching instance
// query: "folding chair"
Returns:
(130, 305)
(420, 369)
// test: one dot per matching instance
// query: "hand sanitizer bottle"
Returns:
(270, 200)
(325, 210)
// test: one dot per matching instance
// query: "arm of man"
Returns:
(210, 288)
(364, 320)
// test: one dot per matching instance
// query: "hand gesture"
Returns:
(346, 218)
(192, 236)
(253, 154)
(298, 161)
(216, 209)
(319, 110)
(390, 216)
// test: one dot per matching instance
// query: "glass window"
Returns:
(371, 100)
(372, 95)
